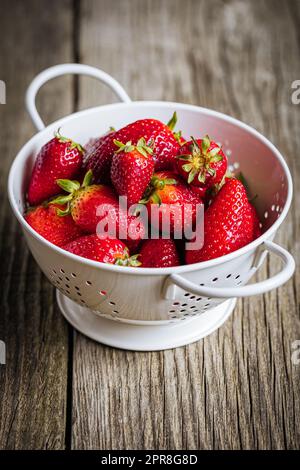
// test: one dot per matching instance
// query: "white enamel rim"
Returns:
(102, 76)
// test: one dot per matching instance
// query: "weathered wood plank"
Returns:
(238, 387)
(33, 383)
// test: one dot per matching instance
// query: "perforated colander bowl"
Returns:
(158, 307)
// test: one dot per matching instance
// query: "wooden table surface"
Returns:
(236, 389)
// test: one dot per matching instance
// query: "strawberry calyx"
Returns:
(199, 161)
(126, 260)
(141, 147)
(156, 184)
(65, 140)
(71, 187)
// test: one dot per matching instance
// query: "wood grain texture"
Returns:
(237, 388)
(33, 383)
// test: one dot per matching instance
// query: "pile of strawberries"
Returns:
(73, 191)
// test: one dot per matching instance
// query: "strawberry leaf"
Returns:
(187, 158)
(63, 213)
(87, 180)
(68, 185)
(201, 177)
(170, 181)
(61, 200)
(187, 167)
(192, 175)
(205, 144)
(215, 152)
(156, 199)
(173, 121)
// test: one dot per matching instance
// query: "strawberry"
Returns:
(165, 145)
(131, 169)
(201, 163)
(108, 250)
(230, 223)
(159, 253)
(59, 158)
(55, 229)
(167, 193)
(97, 159)
(84, 200)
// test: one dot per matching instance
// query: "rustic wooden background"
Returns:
(235, 389)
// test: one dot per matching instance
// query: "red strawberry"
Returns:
(159, 253)
(230, 223)
(169, 194)
(108, 250)
(55, 229)
(59, 158)
(164, 142)
(131, 169)
(201, 163)
(97, 159)
(84, 200)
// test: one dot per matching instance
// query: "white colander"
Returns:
(153, 308)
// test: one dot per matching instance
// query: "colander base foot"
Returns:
(139, 337)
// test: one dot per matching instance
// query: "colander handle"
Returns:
(243, 291)
(64, 69)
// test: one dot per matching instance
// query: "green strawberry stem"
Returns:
(156, 184)
(71, 187)
(141, 147)
(200, 160)
(127, 260)
(172, 122)
(64, 140)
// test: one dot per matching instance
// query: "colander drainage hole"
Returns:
(199, 298)
(172, 311)
(62, 271)
(186, 295)
(79, 294)
(183, 305)
(115, 311)
(176, 303)
(102, 292)
(236, 277)
(88, 283)
(214, 279)
(73, 274)
(192, 297)
(54, 272)
(228, 276)
(112, 303)
(67, 278)
(193, 306)
(77, 288)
